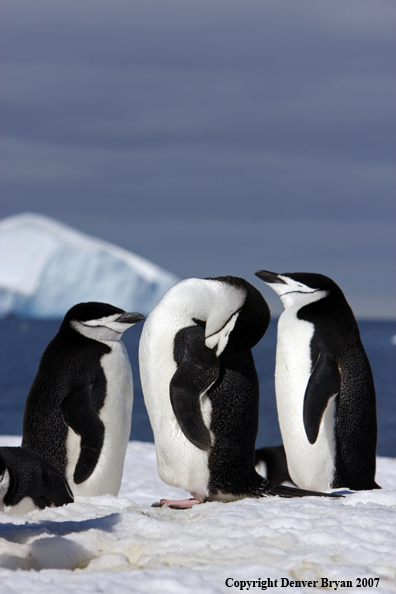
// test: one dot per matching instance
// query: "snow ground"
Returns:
(108, 544)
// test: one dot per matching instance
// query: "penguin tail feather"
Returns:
(284, 491)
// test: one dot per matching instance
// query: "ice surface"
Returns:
(47, 267)
(108, 544)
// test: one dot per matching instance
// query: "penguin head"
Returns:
(297, 289)
(99, 321)
(247, 321)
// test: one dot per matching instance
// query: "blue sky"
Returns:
(212, 137)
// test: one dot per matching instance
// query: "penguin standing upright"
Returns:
(324, 385)
(201, 390)
(78, 411)
(27, 482)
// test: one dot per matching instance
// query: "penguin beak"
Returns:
(269, 277)
(130, 318)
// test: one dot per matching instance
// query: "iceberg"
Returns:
(47, 267)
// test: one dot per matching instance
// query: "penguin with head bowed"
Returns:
(324, 385)
(78, 411)
(201, 389)
(28, 482)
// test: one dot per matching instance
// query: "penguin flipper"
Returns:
(32, 476)
(325, 382)
(197, 371)
(80, 416)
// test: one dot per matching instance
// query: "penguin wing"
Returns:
(79, 415)
(32, 476)
(325, 382)
(197, 371)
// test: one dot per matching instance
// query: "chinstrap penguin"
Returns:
(78, 411)
(324, 385)
(201, 389)
(28, 482)
(271, 462)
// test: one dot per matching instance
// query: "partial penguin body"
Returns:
(324, 386)
(189, 313)
(271, 462)
(28, 482)
(78, 411)
(201, 388)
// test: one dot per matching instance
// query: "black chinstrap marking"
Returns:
(101, 326)
(301, 292)
(225, 324)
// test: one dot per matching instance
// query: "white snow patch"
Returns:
(110, 544)
(47, 267)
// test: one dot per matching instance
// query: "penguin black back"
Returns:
(69, 362)
(235, 413)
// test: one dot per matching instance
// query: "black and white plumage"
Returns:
(78, 411)
(271, 462)
(28, 481)
(201, 388)
(324, 385)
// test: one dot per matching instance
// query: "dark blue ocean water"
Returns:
(22, 343)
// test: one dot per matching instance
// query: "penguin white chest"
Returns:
(311, 466)
(116, 414)
(179, 462)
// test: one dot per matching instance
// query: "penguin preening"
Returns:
(201, 389)
(324, 385)
(78, 411)
(27, 482)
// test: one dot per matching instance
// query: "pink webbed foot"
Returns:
(177, 503)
